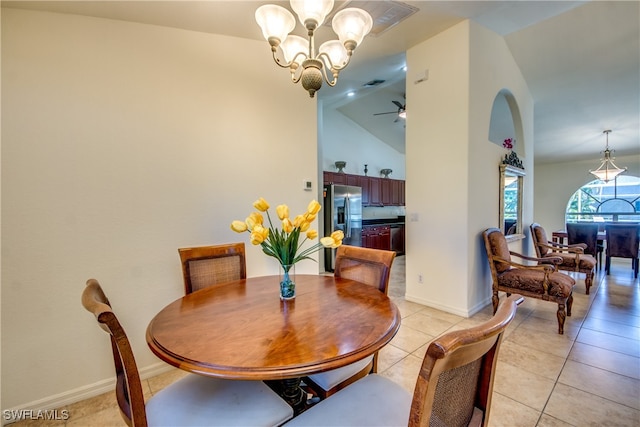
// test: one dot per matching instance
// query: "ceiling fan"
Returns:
(401, 112)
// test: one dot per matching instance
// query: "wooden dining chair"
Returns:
(194, 400)
(586, 233)
(205, 266)
(454, 386)
(623, 241)
(573, 257)
(365, 265)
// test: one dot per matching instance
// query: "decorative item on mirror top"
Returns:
(512, 159)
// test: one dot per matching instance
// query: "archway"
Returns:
(505, 126)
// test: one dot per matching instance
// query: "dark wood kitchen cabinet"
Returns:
(386, 192)
(385, 237)
(394, 185)
(375, 191)
(397, 238)
(353, 180)
(376, 237)
(364, 182)
(334, 178)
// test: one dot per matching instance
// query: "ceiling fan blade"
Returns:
(390, 112)
(398, 104)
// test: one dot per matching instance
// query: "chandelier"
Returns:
(607, 170)
(299, 55)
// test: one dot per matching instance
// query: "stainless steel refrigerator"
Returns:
(342, 211)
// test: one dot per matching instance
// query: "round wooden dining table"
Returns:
(242, 330)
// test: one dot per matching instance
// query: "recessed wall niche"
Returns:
(505, 125)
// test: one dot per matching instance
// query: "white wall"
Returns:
(343, 139)
(452, 167)
(555, 183)
(493, 69)
(436, 197)
(120, 143)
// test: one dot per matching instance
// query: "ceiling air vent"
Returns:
(385, 13)
(372, 83)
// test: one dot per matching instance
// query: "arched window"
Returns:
(598, 201)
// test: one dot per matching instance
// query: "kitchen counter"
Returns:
(384, 233)
(383, 221)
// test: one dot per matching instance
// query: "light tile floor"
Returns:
(590, 376)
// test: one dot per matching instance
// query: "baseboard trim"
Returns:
(69, 397)
(453, 310)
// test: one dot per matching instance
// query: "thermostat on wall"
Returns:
(306, 185)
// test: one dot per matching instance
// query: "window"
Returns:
(599, 201)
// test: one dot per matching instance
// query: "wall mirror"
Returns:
(511, 190)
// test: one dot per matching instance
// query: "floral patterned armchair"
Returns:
(540, 281)
(573, 256)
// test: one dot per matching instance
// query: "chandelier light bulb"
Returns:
(351, 25)
(294, 48)
(336, 52)
(311, 12)
(276, 23)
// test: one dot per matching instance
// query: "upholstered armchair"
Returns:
(540, 281)
(573, 257)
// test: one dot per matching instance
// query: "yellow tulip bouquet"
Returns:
(284, 244)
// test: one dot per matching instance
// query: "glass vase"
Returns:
(287, 282)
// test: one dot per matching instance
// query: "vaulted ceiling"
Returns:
(581, 60)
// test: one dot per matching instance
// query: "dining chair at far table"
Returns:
(371, 267)
(454, 386)
(191, 401)
(623, 241)
(573, 257)
(204, 266)
(586, 233)
(540, 281)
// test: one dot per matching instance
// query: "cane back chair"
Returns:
(454, 386)
(191, 401)
(205, 266)
(365, 265)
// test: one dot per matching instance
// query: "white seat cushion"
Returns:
(201, 401)
(329, 379)
(372, 401)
